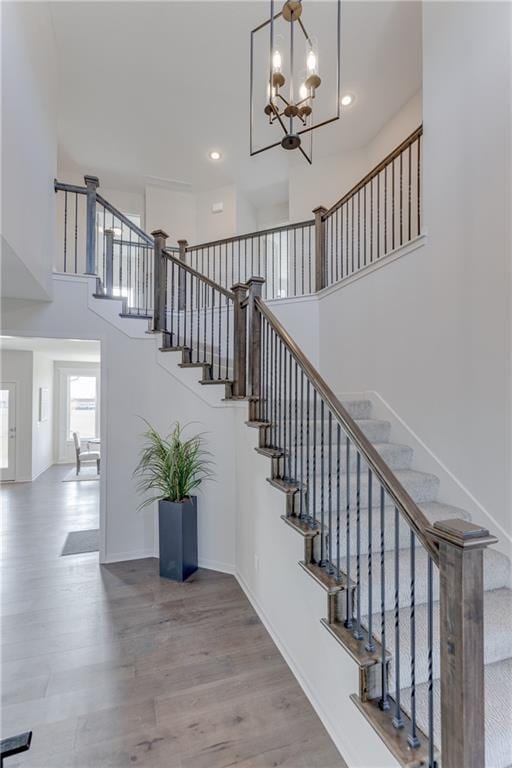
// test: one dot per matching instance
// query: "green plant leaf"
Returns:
(171, 467)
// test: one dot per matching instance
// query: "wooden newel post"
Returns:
(182, 283)
(109, 261)
(320, 280)
(159, 280)
(240, 341)
(254, 353)
(92, 183)
(461, 622)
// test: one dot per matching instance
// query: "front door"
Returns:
(7, 431)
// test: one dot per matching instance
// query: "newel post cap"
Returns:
(461, 533)
(182, 242)
(239, 288)
(159, 233)
(321, 209)
(91, 181)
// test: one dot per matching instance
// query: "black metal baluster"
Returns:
(212, 339)
(358, 633)
(384, 701)
(370, 645)
(290, 384)
(418, 191)
(371, 221)
(76, 239)
(385, 210)
(301, 492)
(364, 222)
(296, 430)
(393, 205)
(314, 460)
(338, 502)
(430, 641)
(205, 315)
(413, 739)
(302, 259)
(309, 259)
(308, 447)
(220, 336)
(322, 475)
(398, 720)
(401, 200)
(280, 384)
(378, 216)
(286, 401)
(173, 281)
(198, 325)
(65, 229)
(352, 231)
(329, 490)
(359, 229)
(348, 611)
(409, 196)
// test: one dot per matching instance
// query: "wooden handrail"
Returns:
(235, 238)
(413, 515)
(198, 275)
(375, 171)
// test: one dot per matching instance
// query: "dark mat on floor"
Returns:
(82, 541)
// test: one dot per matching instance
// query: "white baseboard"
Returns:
(119, 557)
(217, 565)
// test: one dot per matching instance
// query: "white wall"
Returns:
(268, 216)
(430, 332)
(42, 431)
(29, 149)
(17, 366)
(172, 211)
(215, 226)
(329, 178)
(136, 383)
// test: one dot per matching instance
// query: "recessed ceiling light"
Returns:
(214, 155)
(347, 100)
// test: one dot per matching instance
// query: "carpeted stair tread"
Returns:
(498, 712)
(433, 510)
(421, 486)
(496, 576)
(497, 635)
(395, 455)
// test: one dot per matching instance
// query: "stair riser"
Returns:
(357, 409)
(495, 577)
(422, 488)
(375, 431)
(496, 647)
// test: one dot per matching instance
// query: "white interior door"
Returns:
(7, 431)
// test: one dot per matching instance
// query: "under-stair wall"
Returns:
(138, 381)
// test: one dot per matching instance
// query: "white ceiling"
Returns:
(74, 350)
(148, 88)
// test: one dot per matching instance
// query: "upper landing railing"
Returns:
(377, 216)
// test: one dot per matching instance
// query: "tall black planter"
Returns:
(178, 538)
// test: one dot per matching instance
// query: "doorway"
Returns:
(7, 431)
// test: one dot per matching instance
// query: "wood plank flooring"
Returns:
(112, 666)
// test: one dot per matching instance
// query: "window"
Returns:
(82, 410)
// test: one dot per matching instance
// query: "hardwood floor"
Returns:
(112, 666)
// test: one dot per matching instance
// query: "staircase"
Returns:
(416, 593)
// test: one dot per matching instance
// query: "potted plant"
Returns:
(171, 468)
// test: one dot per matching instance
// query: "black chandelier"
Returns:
(292, 82)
